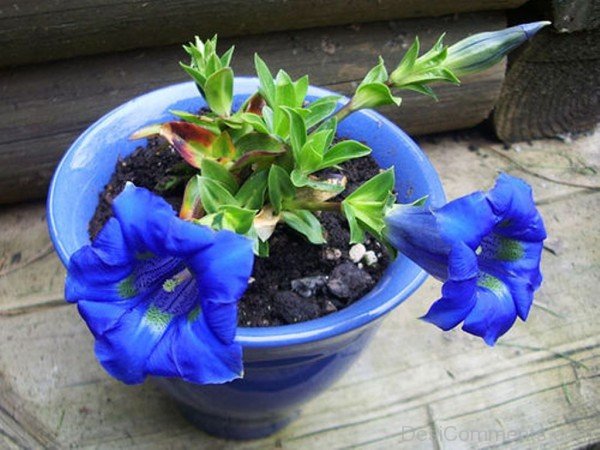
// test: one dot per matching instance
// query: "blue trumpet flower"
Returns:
(485, 247)
(160, 294)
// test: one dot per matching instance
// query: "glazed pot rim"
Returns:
(375, 304)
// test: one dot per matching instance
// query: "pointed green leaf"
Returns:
(258, 141)
(236, 219)
(297, 130)
(226, 58)
(192, 203)
(406, 64)
(300, 90)
(214, 195)
(321, 109)
(255, 121)
(305, 223)
(215, 171)
(196, 75)
(357, 235)
(377, 74)
(267, 85)
(344, 151)
(280, 188)
(367, 204)
(219, 91)
(373, 95)
(223, 147)
(205, 122)
(251, 194)
(421, 89)
(285, 94)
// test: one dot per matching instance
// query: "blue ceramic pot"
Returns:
(286, 365)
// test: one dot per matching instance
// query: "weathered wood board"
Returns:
(552, 87)
(33, 31)
(415, 387)
(45, 107)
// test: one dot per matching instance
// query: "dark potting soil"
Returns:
(299, 281)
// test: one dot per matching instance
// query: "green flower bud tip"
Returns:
(481, 51)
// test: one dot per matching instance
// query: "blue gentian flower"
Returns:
(160, 294)
(486, 247)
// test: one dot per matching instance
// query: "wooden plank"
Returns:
(33, 31)
(551, 87)
(415, 387)
(576, 15)
(45, 107)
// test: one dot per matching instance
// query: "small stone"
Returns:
(349, 282)
(330, 307)
(370, 258)
(333, 254)
(291, 308)
(357, 252)
(308, 287)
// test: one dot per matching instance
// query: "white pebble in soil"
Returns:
(357, 252)
(370, 258)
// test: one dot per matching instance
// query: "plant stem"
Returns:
(318, 206)
(343, 112)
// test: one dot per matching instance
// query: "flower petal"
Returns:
(191, 351)
(414, 231)
(124, 348)
(149, 223)
(512, 201)
(467, 219)
(517, 265)
(224, 268)
(494, 312)
(458, 292)
(95, 271)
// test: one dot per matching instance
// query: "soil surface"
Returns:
(299, 281)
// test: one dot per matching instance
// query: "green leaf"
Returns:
(421, 89)
(255, 121)
(258, 141)
(406, 64)
(300, 90)
(285, 93)
(236, 219)
(280, 188)
(375, 189)
(311, 154)
(377, 74)
(300, 179)
(251, 194)
(367, 205)
(305, 223)
(205, 122)
(217, 172)
(268, 118)
(321, 109)
(297, 130)
(373, 95)
(219, 91)
(223, 147)
(357, 235)
(214, 195)
(267, 85)
(196, 75)
(226, 58)
(192, 203)
(330, 125)
(344, 151)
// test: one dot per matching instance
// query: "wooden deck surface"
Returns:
(415, 387)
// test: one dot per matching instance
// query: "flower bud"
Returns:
(481, 51)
